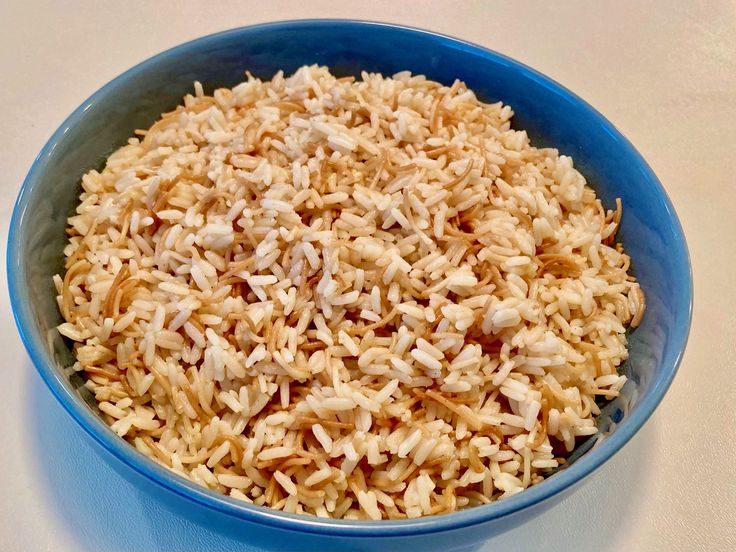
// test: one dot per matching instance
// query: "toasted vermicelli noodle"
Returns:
(365, 299)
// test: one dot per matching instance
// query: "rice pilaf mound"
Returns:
(362, 299)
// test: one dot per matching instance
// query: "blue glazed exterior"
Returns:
(553, 116)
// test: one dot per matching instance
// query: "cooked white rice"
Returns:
(355, 299)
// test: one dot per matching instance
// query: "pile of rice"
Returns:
(363, 299)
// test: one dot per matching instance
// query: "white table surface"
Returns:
(665, 75)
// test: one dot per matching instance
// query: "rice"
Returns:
(360, 299)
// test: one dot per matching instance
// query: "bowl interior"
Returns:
(553, 116)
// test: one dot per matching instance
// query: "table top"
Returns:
(664, 75)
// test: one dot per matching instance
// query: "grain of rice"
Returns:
(324, 439)
(286, 483)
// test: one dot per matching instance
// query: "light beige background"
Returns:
(663, 72)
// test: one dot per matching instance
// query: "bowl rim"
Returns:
(128, 455)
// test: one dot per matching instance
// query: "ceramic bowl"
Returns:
(553, 117)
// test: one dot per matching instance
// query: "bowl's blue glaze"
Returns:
(552, 115)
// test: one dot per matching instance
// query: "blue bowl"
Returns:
(553, 116)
